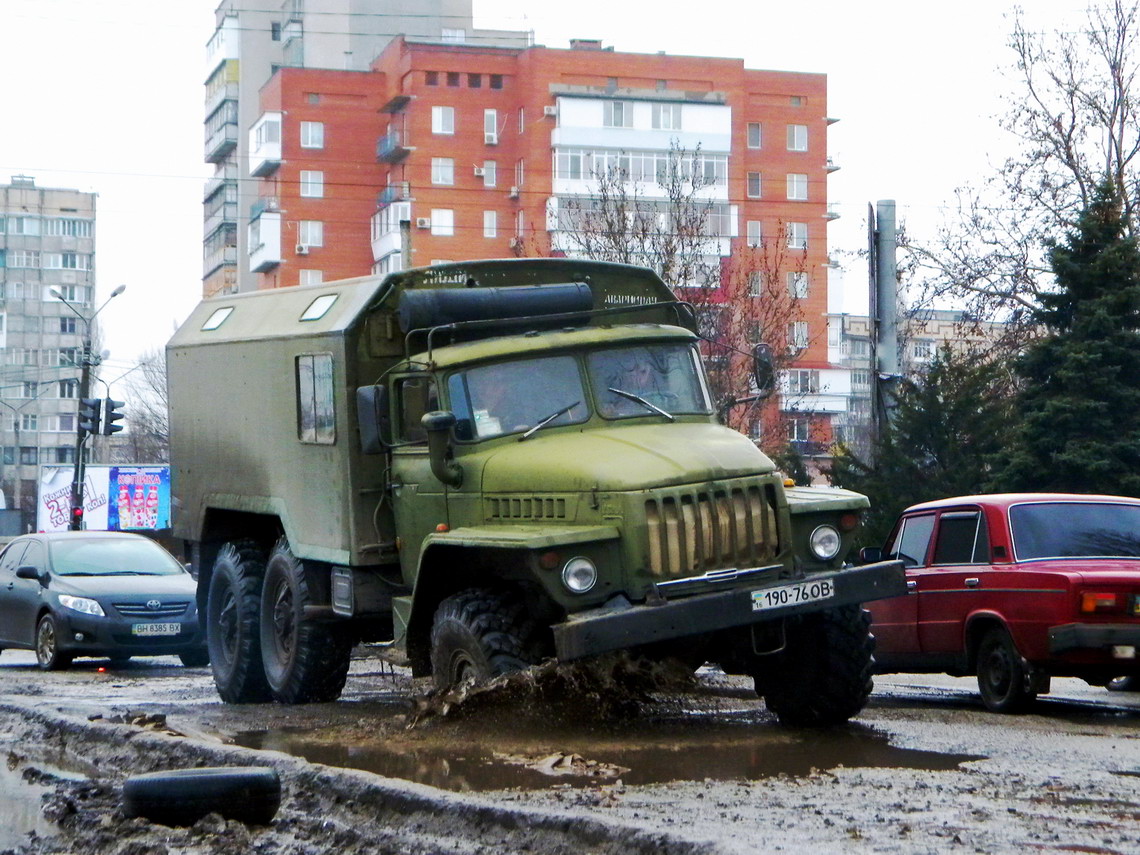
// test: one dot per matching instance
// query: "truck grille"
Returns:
(693, 532)
(140, 611)
(526, 508)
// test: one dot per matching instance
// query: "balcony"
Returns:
(226, 92)
(264, 241)
(225, 213)
(221, 142)
(227, 175)
(223, 255)
(831, 166)
(390, 148)
(832, 212)
(265, 203)
(393, 193)
(265, 145)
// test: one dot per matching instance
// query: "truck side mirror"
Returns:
(438, 425)
(763, 370)
(372, 418)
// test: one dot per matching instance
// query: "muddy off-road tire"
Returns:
(195, 658)
(233, 610)
(1002, 678)
(305, 661)
(249, 794)
(48, 655)
(479, 634)
(823, 675)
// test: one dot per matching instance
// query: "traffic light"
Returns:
(111, 415)
(89, 414)
(76, 519)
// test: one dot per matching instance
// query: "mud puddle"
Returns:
(483, 755)
(20, 807)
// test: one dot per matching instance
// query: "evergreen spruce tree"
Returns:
(948, 427)
(1080, 400)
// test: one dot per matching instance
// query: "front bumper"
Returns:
(87, 635)
(607, 629)
(1093, 636)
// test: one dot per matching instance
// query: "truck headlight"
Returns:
(825, 542)
(81, 604)
(579, 575)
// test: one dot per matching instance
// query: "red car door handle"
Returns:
(973, 582)
(911, 585)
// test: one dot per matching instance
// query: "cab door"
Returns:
(419, 499)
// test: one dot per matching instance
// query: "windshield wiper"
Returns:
(549, 419)
(643, 403)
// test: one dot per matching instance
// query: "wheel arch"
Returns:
(447, 569)
(219, 528)
(977, 626)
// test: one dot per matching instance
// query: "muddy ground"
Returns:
(697, 768)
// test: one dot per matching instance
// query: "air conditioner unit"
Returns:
(302, 249)
(516, 243)
(480, 171)
(514, 194)
(491, 139)
(550, 110)
(423, 222)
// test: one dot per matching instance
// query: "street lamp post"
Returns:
(86, 362)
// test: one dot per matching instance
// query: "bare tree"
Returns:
(147, 439)
(1074, 108)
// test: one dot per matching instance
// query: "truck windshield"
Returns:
(651, 378)
(1075, 530)
(513, 397)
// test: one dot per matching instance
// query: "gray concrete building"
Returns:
(251, 40)
(47, 252)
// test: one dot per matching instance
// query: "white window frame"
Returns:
(312, 184)
(758, 140)
(307, 276)
(754, 231)
(617, 114)
(442, 222)
(759, 185)
(797, 186)
(443, 171)
(797, 235)
(443, 120)
(491, 126)
(666, 116)
(797, 137)
(311, 232)
(490, 224)
(797, 284)
(490, 173)
(312, 134)
(798, 334)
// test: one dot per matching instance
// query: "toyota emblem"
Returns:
(153, 605)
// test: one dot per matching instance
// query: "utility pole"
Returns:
(883, 239)
(87, 360)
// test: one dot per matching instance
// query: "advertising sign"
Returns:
(115, 498)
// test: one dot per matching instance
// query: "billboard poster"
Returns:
(115, 498)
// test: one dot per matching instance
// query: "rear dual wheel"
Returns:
(233, 614)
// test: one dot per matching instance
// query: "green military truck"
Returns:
(488, 464)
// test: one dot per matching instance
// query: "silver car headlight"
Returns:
(825, 542)
(81, 604)
(579, 575)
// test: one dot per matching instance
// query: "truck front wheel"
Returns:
(823, 675)
(233, 611)
(479, 634)
(305, 661)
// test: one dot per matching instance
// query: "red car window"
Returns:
(962, 539)
(911, 543)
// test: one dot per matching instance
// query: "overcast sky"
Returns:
(106, 96)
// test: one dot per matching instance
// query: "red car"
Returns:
(1015, 588)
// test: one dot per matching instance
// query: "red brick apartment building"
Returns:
(481, 147)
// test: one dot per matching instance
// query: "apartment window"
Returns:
(797, 235)
(453, 78)
(860, 378)
(754, 135)
(798, 284)
(312, 183)
(797, 186)
(490, 173)
(77, 294)
(860, 347)
(522, 120)
(797, 138)
(453, 36)
(667, 117)
(29, 456)
(803, 382)
(490, 126)
(22, 356)
(66, 261)
(754, 232)
(520, 172)
(69, 388)
(474, 81)
(65, 454)
(29, 389)
(431, 78)
(275, 31)
(316, 414)
(618, 114)
(23, 258)
(753, 185)
(923, 349)
(311, 233)
(311, 277)
(755, 284)
(798, 334)
(64, 227)
(442, 222)
(443, 170)
(24, 226)
(796, 101)
(443, 120)
(496, 81)
(9, 455)
(490, 224)
(799, 429)
(29, 421)
(312, 134)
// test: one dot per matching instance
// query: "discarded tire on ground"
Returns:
(249, 794)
